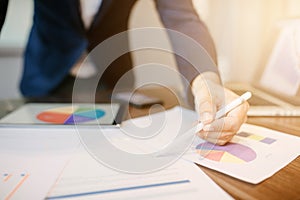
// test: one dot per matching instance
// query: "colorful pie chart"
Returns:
(70, 115)
(229, 153)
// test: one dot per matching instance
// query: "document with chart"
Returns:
(253, 155)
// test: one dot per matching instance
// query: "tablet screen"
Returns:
(65, 114)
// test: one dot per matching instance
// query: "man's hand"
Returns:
(209, 97)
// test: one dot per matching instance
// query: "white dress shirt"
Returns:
(89, 9)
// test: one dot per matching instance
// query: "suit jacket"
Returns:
(58, 38)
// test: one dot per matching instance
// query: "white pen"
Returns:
(222, 112)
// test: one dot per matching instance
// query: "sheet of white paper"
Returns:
(157, 130)
(253, 155)
(84, 178)
(139, 140)
(28, 177)
(32, 160)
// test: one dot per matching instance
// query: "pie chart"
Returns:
(229, 153)
(70, 115)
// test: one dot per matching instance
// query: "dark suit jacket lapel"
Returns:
(77, 15)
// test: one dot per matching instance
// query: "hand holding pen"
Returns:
(210, 96)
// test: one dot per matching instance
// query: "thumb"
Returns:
(205, 107)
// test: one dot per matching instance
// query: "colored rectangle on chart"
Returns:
(265, 140)
(268, 140)
(243, 134)
(256, 137)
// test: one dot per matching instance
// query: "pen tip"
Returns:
(246, 96)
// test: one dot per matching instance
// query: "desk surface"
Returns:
(285, 184)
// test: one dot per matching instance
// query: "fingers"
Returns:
(240, 113)
(222, 130)
(219, 138)
(210, 96)
(229, 123)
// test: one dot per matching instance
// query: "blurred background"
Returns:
(244, 33)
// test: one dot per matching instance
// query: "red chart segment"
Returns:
(215, 155)
(230, 153)
(66, 115)
(52, 117)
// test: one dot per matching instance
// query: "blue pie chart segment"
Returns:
(85, 116)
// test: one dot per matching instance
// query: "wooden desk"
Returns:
(285, 184)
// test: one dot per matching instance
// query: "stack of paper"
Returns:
(39, 162)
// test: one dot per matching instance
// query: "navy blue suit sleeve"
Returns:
(180, 15)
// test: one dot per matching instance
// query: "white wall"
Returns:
(17, 24)
(244, 32)
(12, 41)
(144, 15)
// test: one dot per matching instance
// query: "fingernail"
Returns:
(205, 117)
